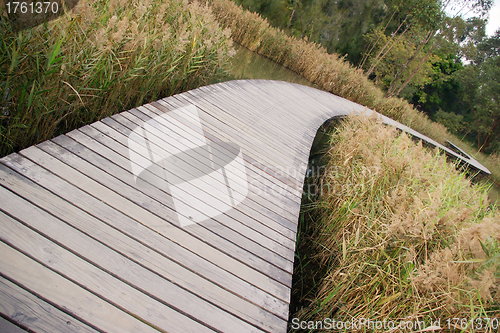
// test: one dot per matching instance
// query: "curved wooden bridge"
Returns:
(179, 216)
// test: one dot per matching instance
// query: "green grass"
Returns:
(101, 58)
(400, 235)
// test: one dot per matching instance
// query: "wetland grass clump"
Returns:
(102, 57)
(398, 235)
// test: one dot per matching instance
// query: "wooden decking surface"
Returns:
(86, 247)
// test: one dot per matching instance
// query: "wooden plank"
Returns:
(264, 116)
(130, 121)
(324, 106)
(254, 123)
(260, 110)
(110, 141)
(65, 294)
(258, 212)
(111, 138)
(111, 276)
(123, 162)
(270, 155)
(229, 273)
(286, 213)
(134, 203)
(148, 111)
(151, 111)
(34, 313)
(151, 257)
(211, 118)
(261, 116)
(119, 132)
(153, 192)
(220, 132)
(283, 96)
(169, 104)
(288, 186)
(8, 327)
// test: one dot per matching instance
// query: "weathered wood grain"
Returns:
(240, 222)
(155, 193)
(135, 283)
(96, 279)
(151, 110)
(132, 228)
(125, 239)
(34, 313)
(256, 210)
(66, 294)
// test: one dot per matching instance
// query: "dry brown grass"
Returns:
(403, 235)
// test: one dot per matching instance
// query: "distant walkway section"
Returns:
(180, 215)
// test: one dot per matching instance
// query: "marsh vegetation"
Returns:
(397, 233)
(101, 58)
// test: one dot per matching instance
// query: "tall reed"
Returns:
(101, 58)
(401, 235)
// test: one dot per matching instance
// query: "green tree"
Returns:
(424, 30)
(441, 98)
(488, 48)
(462, 36)
(441, 93)
(480, 88)
(357, 17)
(338, 25)
(419, 20)
(400, 62)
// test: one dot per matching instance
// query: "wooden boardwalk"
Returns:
(177, 216)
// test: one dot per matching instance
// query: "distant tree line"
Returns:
(444, 64)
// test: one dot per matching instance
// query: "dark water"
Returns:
(246, 64)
